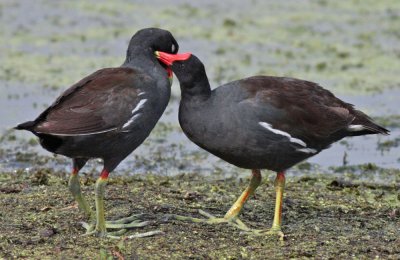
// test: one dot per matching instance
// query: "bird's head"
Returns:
(156, 39)
(149, 40)
(187, 67)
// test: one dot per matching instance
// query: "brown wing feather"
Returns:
(100, 102)
(315, 111)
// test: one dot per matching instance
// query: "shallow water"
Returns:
(175, 152)
(351, 48)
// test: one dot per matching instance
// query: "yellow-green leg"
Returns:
(99, 197)
(276, 224)
(75, 188)
(121, 225)
(231, 215)
(279, 189)
(255, 181)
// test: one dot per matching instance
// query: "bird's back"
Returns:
(108, 112)
(271, 122)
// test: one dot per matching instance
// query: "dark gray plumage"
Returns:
(107, 115)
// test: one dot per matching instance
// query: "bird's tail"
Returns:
(26, 126)
(363, 125)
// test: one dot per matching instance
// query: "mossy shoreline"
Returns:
(324, 217)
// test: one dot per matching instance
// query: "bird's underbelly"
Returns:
(273, 157)
(103, 145)
(248, 149)
(115, 144)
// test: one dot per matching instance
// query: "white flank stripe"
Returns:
(141, 94)
(130, 121)
(306, 150)
(139, 105)
(92, 133)
(280, 132)
(355, 128)
(136, 109)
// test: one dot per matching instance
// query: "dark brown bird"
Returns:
(107, 115)
(261, 122)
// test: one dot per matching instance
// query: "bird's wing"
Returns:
(297, 107)
(104, 101)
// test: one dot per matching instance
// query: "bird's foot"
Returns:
(118, 234)
(211, 219)
(274, 231)
(103, 234)
(235, 222)
(120, 226)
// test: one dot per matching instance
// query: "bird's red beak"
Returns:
(168, 58)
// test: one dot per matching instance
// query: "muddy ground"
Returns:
(324, 217)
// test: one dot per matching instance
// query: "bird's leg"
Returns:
(276, 224)
(75, 188)
(99, 196)
(231, 215)
(255, 181)
(121, 225)
(279, 189)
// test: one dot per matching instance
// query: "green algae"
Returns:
(350, 44)
(323, 218)
(392, 121)
(43, 69)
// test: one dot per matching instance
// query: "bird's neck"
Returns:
(141, 58)
(198, 90)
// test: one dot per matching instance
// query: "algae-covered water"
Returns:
(350, 47)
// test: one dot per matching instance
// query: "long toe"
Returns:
(268, 233)
(96, 233)
(235, 222)
(119, 234)
(146, 234)
(119, 226)
(126, 220)
(133, 221)
(211, 219)
(133, 224)
(90, 227)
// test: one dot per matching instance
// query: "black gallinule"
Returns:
(261, 122)
(107, 115)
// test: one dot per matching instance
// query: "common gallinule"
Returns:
(261, 122)
(107, 115)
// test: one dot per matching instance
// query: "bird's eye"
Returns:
(173, 48)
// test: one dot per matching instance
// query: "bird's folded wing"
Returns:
(101, 102)
(285, 103)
